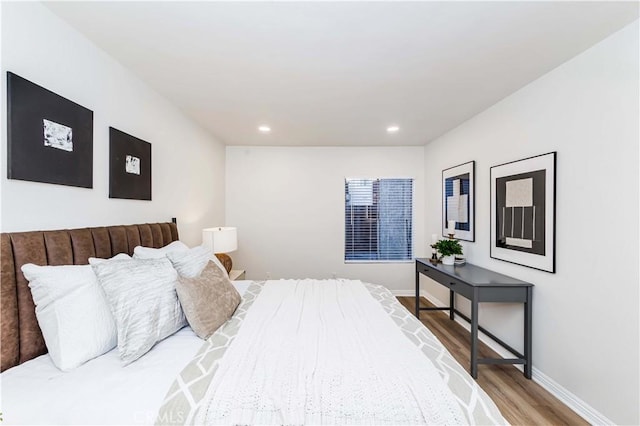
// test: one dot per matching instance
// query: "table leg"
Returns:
(452, 304)
(474, 335)
(417, 294)
(528, 317)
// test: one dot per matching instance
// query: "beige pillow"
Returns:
(207, 300)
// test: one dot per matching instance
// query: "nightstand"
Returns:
(236, 274)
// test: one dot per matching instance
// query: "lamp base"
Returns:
(226, 261)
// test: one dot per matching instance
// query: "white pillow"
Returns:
(190, 263)
(72, 312)
(156, 253)
(96, 260)
(142, 297)
(175, 247)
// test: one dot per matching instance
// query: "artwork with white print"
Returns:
(523, 212)
(132, 165)
(129, 166)
(49, 138)
(519, 196)
(57, 135)
(520, 202)
(458, 200)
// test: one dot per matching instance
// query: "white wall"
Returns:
(188, 164)
(585, 332)
(288, 205)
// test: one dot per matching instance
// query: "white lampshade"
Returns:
(221, 239)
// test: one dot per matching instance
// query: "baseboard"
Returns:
(403, 293)
(569, 399)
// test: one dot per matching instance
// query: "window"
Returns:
(378, 220)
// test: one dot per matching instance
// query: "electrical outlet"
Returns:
(334, 275)
(268, 275)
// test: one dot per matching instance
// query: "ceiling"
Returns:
(339, 73)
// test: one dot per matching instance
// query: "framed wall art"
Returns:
(49, 138)
(523, 206)
(129, 166)
(458, 200)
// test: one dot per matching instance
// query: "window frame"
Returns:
(412, 257)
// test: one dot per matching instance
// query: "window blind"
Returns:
(378, 220)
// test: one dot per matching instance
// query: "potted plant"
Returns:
(448, 249)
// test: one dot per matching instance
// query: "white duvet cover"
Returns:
(325, 352)
(101, 391)
(321, 353)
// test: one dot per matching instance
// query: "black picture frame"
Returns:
(49, 138)
(129, 166)
(463, 177)
(523, 212)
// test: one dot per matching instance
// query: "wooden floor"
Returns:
(521, 401)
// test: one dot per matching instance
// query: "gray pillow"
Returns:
(190, 263)
(141, 294)
(208, 300)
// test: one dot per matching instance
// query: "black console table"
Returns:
(480, 285)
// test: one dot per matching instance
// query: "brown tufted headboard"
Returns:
(20, 336)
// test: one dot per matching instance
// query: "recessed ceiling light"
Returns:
(393, 129)
(264, 129)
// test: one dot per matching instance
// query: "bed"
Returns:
(294, 352)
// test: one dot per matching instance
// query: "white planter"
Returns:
(448, 260)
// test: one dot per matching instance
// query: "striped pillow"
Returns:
(141, 294)
(190, 263)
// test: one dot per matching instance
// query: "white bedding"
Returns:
(100, 391)
(320, 364)
(103, 392)
(327, 354)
